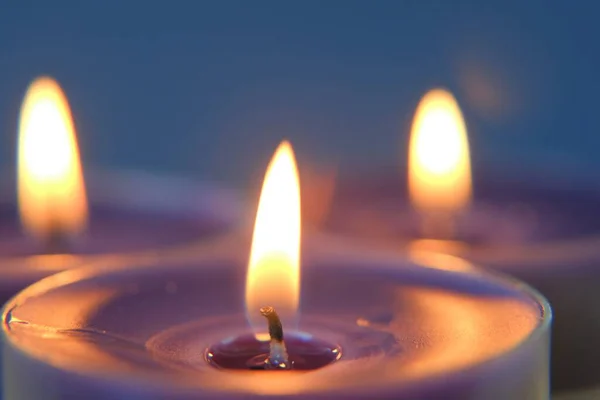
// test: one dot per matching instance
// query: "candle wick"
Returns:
(57, 242)
(438, 225)
(278, 356)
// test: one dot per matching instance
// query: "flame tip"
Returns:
(45, 82)
(285, 145)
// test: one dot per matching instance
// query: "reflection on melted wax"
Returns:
(477, 328)
(426, 254)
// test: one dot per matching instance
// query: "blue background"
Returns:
(208, 89)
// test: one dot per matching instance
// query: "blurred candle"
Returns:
(53, 204)
(439, 164)
(539, 232)
(64, 224)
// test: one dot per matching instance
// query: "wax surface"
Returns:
(114, 229)
(503, 212)
(399, 326)
(550, 239)
(128, 212)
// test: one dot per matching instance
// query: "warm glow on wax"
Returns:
(439, 168)
(51, 191)
(274, 268)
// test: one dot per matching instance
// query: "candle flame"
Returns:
(439, 170)
(274, 268)
(51, 192)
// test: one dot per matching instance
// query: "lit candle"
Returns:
(373, 325)
(67, 224)
(538, 232)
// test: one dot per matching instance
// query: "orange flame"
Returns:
(274, 268)
(439, 170)
(51, 191)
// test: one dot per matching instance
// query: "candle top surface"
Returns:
(132, 212)
(113, 230)
(399, 324)
(523, 211)
(511, 221)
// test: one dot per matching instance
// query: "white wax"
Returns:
(458, 331)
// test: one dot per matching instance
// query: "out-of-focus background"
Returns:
(208, 89)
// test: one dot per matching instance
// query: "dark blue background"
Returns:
(208, 88)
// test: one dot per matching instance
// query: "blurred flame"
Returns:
(274, 268)
(51, 191)
(439, 170)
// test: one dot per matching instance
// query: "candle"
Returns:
(373, 325)
(536, 231)
(67, 222)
